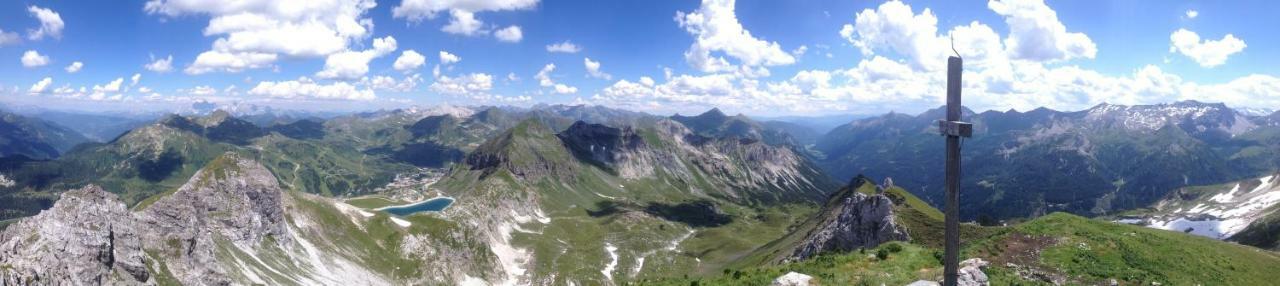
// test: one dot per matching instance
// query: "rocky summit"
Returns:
(87, 238)
(851, 220)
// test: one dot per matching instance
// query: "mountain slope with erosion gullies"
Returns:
(598, 204)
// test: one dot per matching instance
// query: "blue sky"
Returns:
(1020, 54)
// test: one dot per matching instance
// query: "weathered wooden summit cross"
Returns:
(953, 129)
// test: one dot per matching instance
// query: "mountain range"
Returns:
(588, 195)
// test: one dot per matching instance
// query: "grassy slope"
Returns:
(1077, 250)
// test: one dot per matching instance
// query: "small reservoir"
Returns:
(430, 205)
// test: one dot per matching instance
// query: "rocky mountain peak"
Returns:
(87, 238)
(600, 143)
(855, 217)
(529, 150)
(233, 196)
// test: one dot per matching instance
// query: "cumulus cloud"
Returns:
(544, 80)
(307, 88)
(448, 58)
(113, 86)
(511, 34)
(593, 69)
(253, 33)
(160, 65)
(74, 67)
(387, 83)
(715, 28)
(1036, 34)
(409, 60)
(1207, 53)
(900, 72)
(462, 13)
(212, 61)
(1192, 14)
(354, 64)
(134, 79)
(564, 47)
(41, 86)
(32, 58)
(467, 84)
(50, 23)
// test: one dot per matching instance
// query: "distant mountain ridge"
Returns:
(35, 138)
(1094, 161)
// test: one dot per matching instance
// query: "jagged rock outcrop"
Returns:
(849, 221)
(87, 238)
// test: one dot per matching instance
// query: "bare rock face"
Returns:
(971, 273)
(87, 238)
(851, 220)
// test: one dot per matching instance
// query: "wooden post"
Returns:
(953, 129)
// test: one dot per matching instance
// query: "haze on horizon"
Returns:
(662, 57)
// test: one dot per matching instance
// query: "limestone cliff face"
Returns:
(851, 220)
(87, 238)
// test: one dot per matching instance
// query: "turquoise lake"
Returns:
(431, 205)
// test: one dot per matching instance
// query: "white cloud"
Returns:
(462, 13)
(544, 80)
(134, 79)
(113, 86)
(467, 84)
(715, 28)
(647, 81)
(160, 65)
(563, 47)
(447, 58)
(799, 51)
(593, 69)
(1036, 34)
(1207, 53)
(202, 90)
(252, 33)
(143, 89)
(463, 23)
(40, 86)
(32, 58)
(213, 61)
(307, 88)
(511, 34)
(8, 38)
(354, 64)
(893, 26)
(1192, 14)
(564, 89)
(74, 67)
(409, 60)
(388, 83)
(50, 23)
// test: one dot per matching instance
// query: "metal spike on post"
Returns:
(953, 129)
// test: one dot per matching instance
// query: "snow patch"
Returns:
(400, 222)
(613, 262)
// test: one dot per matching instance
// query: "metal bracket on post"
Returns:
(955, 128)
